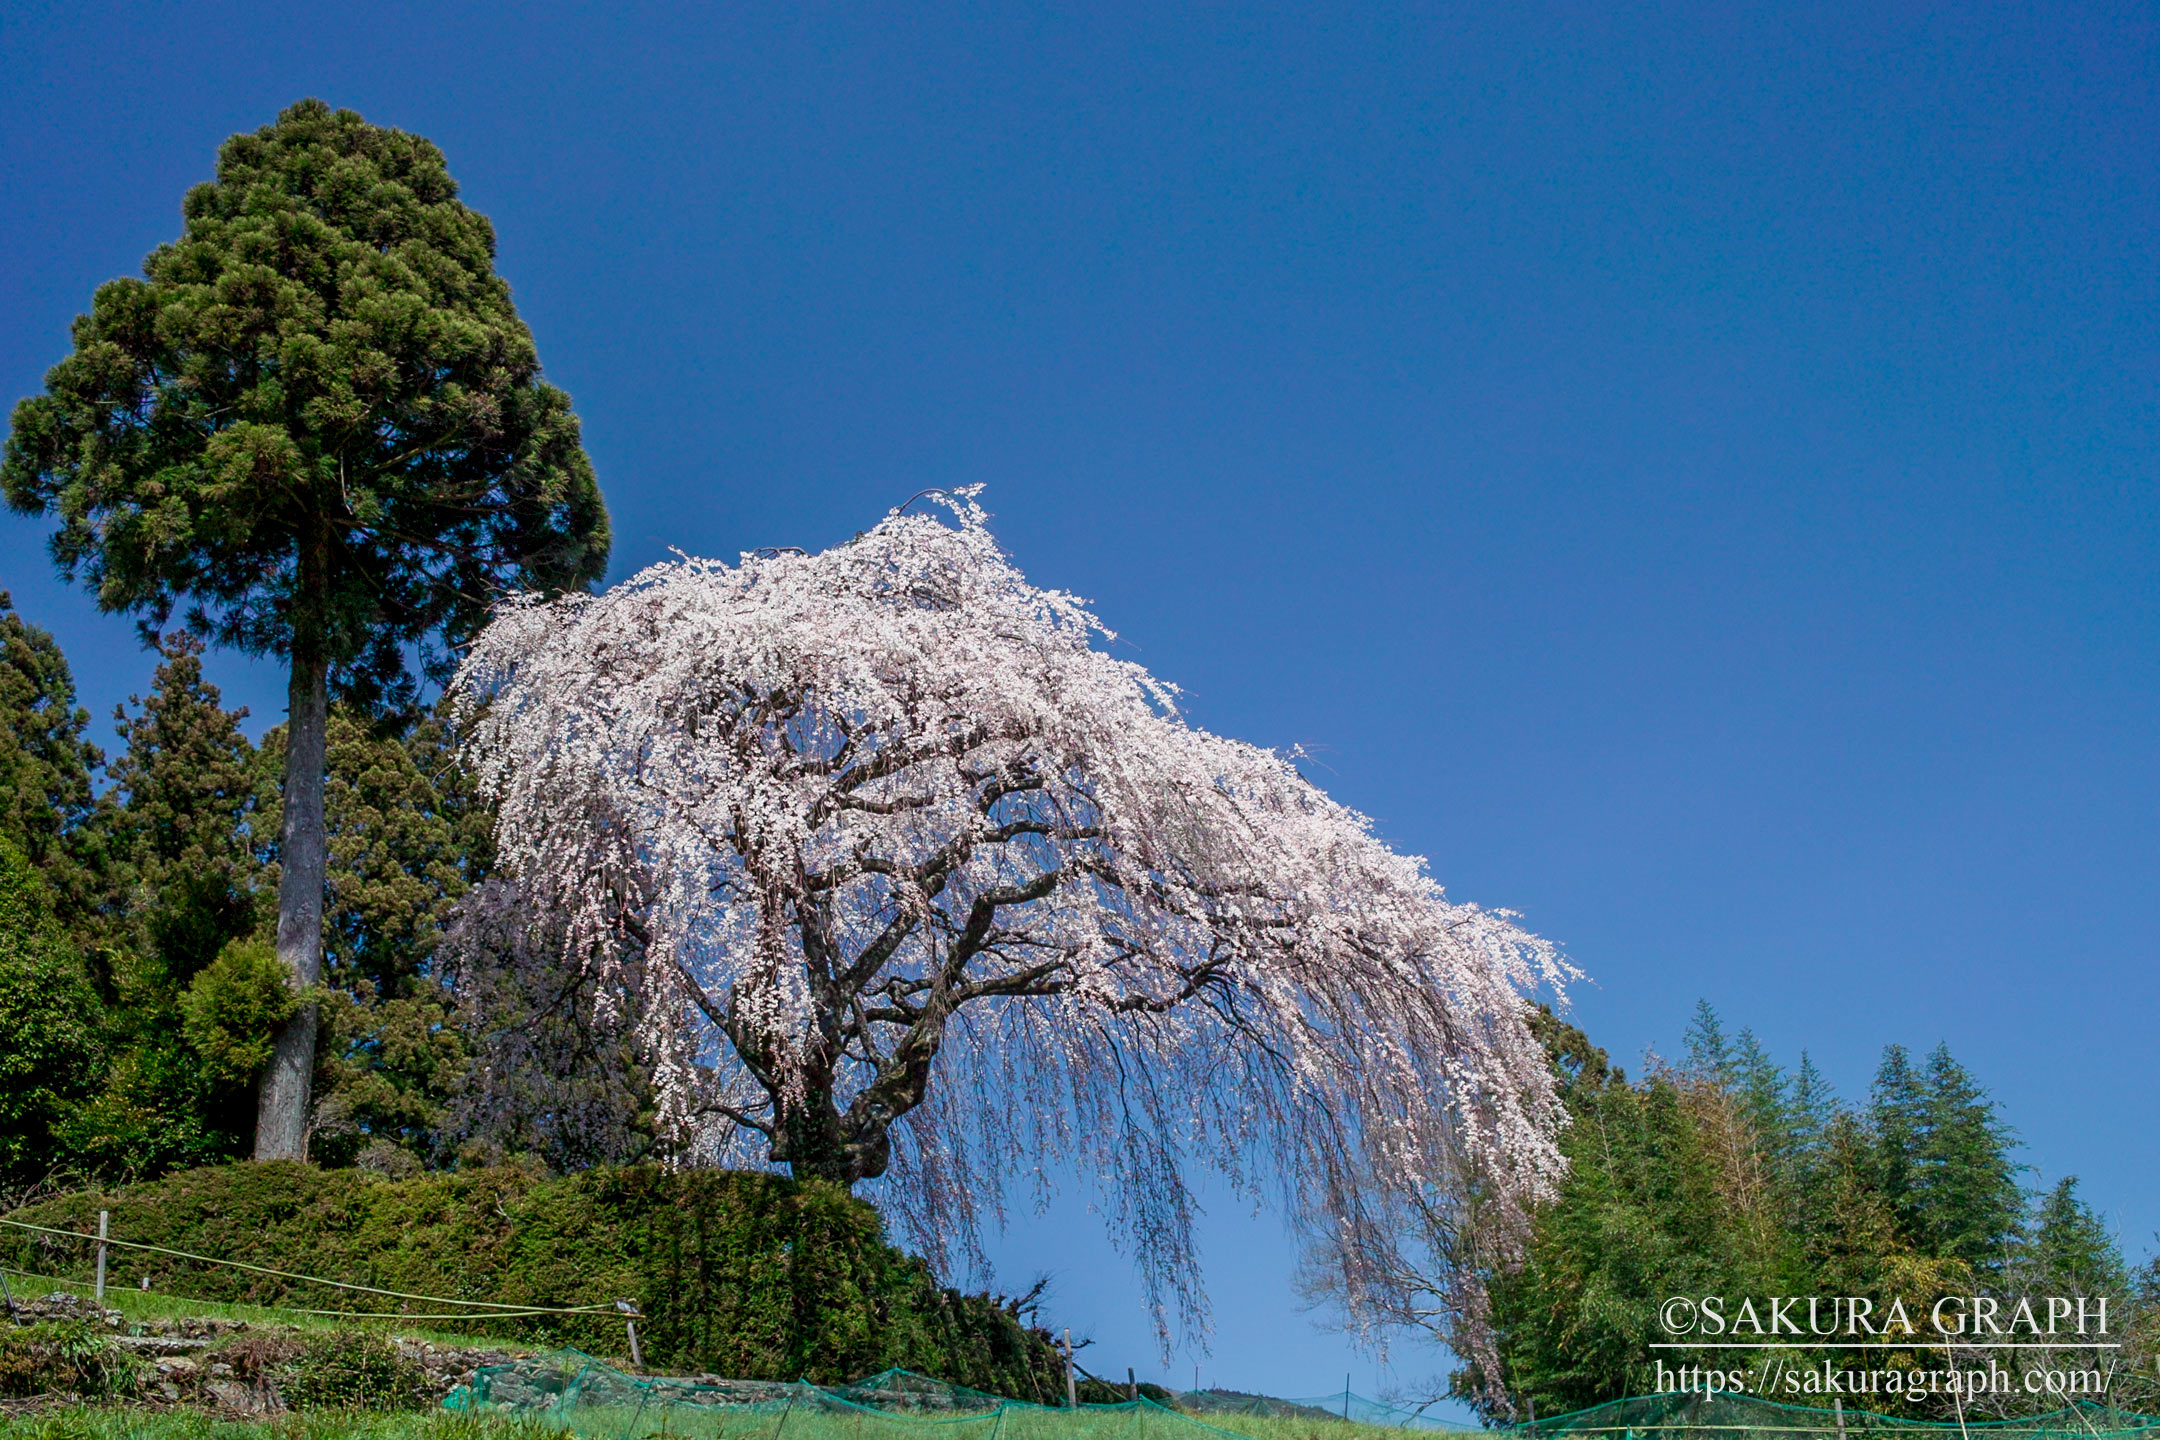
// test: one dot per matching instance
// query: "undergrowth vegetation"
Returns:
(101, 1424)
(750, 1275)
(62, 1356)
(109, 1424)
(352, 1372)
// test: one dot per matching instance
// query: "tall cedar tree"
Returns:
(407, 837)
(45, 797)
(1897, 1102)
(1966, 1182)
(319, 422)
(2072, 1252)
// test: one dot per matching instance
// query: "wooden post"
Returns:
(1533, 1416)
(1346, 1396)
(1837, 1404)
(102, 1217)
(1072, 1396)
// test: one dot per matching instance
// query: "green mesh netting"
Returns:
(592, 1398)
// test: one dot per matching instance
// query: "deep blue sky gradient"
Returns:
(1688, 471)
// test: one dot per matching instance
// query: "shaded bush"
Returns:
(750, 1275)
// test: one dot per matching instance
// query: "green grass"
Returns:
(678, 1423)
(155, 1305)
(1290, 1427)
(109, 1424)
(1024, 1422)
(120, 1424)
(1018, 1422)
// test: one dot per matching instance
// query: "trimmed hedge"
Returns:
(748, 1275)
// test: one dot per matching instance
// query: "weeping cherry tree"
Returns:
(898, 877)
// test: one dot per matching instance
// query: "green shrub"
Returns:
(114, 1423)
(64, 1357)
(750, 1275)
(351, 1370)
(48, 1023)
(233, 1008)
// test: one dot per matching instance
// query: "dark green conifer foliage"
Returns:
(181, 846)
(1965, 1190)
(45, 764)
(1814, 1106)
(1710, 1053)
(1897, 1101)
(1765, 1095)
(1761, 1184)
(185, 783)
(407, 837)
(1850, 1228)
(1664, 1196)
(2071, 1252)
(48, 1024)
(318, 424)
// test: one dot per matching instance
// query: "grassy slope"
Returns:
(152, 1305)
(1089, 1424)
(102, 1424)
(749, 1275)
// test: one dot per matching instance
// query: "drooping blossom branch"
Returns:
(922, 887)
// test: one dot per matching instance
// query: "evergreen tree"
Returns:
(48, 1024)
(185, 783)
(1764, 1091)
(406, 839)
(1897, 1102)
(181, 846)
(2071, 1252)
(1639, 1218)
(1814, 1107)
(1965, 1190)
(555, 1072)
(319, 424)
(46, 801)
(1851, 1229)
(1710, 1053)
(1667, 1195)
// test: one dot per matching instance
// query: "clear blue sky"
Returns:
(1690, 472)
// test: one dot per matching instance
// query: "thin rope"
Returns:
(485, 1308)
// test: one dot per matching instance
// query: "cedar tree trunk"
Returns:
(281, 1118)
